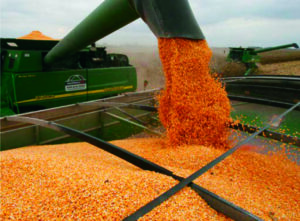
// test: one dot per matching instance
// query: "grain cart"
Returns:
(250, 56)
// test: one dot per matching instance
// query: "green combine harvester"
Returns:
(250, 56)
(29, 84)
(43, 74)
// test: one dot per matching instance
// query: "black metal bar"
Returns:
(238, 104)
(131, 116)
(268, 134)
(166, 195)
(223, 206)
(264, 77)
(261, 101)
(133, 123)
(118, 104)
(142, 107)
(250, 86)
(215, 201)
(115, 150)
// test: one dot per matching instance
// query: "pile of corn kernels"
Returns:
(81, 182)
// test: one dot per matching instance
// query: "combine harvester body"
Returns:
(27, 84)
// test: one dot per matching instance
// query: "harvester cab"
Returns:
(250, 56)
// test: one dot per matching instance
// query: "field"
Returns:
(282, 68)
(149, 68)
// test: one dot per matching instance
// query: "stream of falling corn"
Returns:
(194, 107)
(78, 181)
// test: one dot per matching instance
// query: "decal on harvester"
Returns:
(75, 83)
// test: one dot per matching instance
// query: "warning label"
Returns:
(75, 83)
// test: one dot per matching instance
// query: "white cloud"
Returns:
(224, 22)
(212, 11)
(253, 32)
(136, 33)
(19, 17)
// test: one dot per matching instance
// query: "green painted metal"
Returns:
(120, 130)
(64, 72)
(23, 61)
(87, 118)
(5, 92)
(110, 16)
(51, 90)
(168, 18)
(250, 56)
(133, 123)
(250, 69)
(285, 89)
(94, 123)
(14, 94)
(111, 124)
(28, 85)
(131, 116)
(294, 45)
(259, 115)
(6, 111)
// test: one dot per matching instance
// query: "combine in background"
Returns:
(249, 56)
(28, 84)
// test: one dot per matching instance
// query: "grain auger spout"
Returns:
(292, 45)
(166, 19)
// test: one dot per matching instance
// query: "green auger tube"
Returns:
(167, 19)
(295, 45)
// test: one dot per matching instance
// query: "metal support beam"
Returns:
(117, 104)
(261, 101)
(131, 116)
(133, 123)
(268, 134)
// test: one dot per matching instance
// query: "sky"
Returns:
(225, 23)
